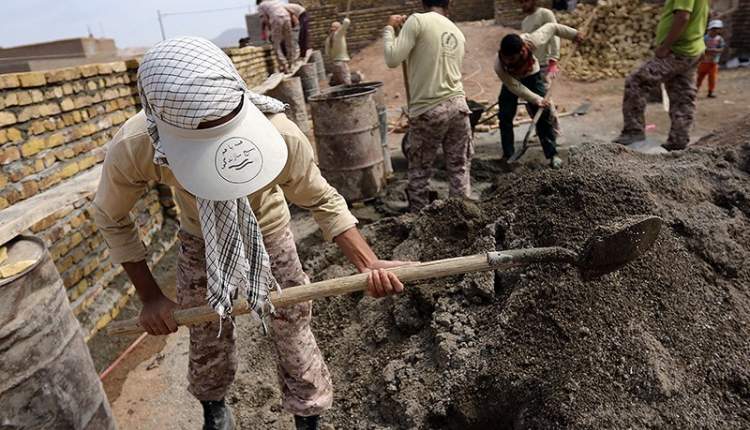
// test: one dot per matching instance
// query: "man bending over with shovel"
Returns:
(230, 155)
(519, 70)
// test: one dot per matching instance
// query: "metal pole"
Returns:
(161, 25)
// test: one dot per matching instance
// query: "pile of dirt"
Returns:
(660, 343)
(620, 37)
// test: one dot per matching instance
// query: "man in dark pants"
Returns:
(519, 70)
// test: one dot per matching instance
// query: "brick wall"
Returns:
(254, 63)
(472, 10)
(53, 124)
(367, 24)
(740, 29)
(54, 127)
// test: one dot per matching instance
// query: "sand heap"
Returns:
(661, 343)
(622, 35)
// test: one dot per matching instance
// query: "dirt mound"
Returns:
(661, 343)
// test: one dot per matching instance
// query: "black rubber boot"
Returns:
(307, 423)
(217, 416)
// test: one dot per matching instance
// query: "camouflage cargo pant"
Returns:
(304, 378)
(446, 125)
(678, 75)
(341, 74)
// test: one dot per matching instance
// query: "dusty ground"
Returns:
(661, 344)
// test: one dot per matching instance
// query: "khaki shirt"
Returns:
(129, 168)
(535, 21)
(433, 48)
(336, 49)
(535, 39)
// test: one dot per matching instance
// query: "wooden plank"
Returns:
(21, 216)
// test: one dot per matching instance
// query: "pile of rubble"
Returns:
(621, 35)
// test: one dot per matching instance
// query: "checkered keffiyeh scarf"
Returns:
(184, 82)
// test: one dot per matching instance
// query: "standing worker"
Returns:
(433, 48)
(274, 15)
(547, 54)
(679, 41)
(300, 26)
(519, 70)
(338, 53)
(709, 66)
(230, 155)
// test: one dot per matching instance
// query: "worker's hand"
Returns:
(396, 21)
(157, 316)
(580, 38)
(543, 103)
(382, 283)
(662, 51)
(552, 69)
(295, 20)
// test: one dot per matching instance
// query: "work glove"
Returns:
(552, 69)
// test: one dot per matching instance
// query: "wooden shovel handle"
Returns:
(350, 284)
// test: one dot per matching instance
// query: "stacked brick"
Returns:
(254, 63)
(53, 124)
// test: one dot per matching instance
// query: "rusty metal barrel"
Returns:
(47, 377)
(290, 92)
(309, 76)
(347, 134)
(320, 65)
(382, 117)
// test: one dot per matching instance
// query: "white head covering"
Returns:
(184, 82)
(717, 23)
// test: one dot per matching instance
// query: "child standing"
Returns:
(710, 62)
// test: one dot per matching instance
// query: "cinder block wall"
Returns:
(54, 127)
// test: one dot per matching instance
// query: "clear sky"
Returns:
(132, 23)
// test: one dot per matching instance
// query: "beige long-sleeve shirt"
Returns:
(295, 9)
(537, 38)
(335, 47)
(535, 21)
(433, 48)
(129, 168)
(274, 12)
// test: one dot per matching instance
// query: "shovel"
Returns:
(602, 254)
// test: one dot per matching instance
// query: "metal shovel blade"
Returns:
(616, 246)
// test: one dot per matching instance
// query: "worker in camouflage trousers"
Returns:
(433, 48)
(233, 159)
(680, 45)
